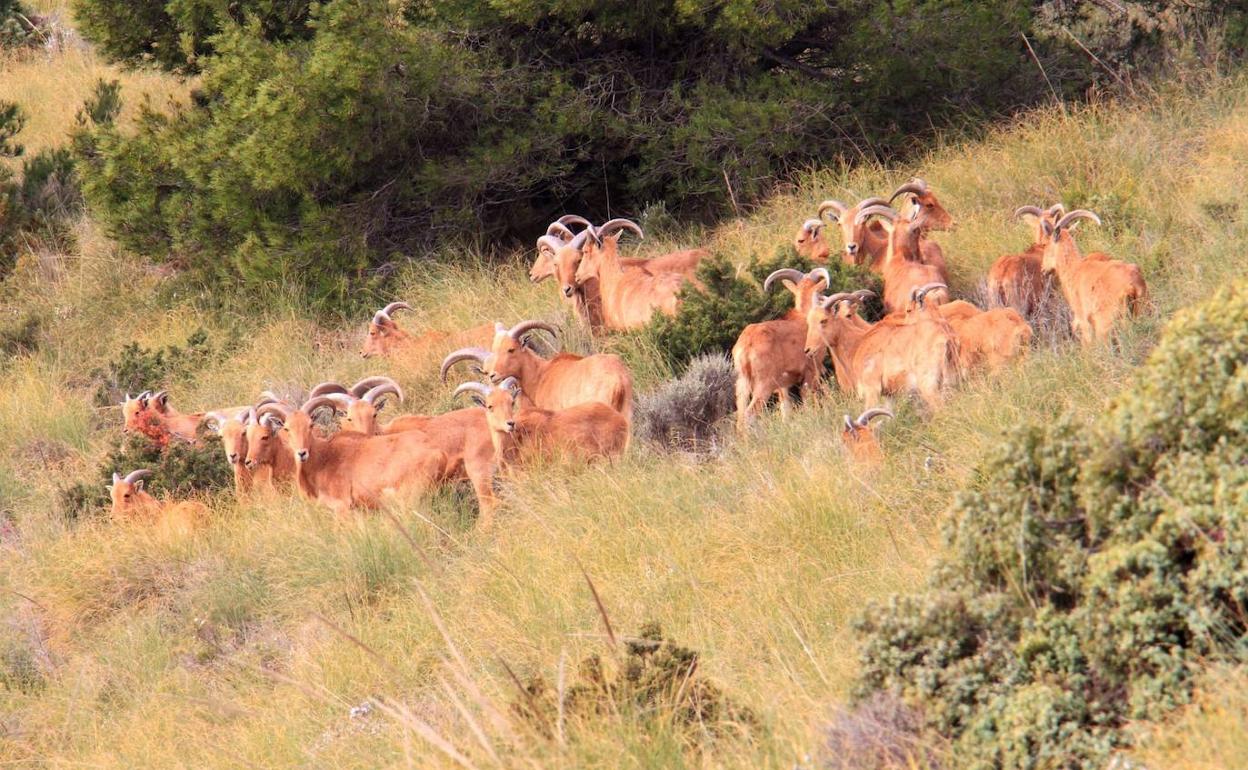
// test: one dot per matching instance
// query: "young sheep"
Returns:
(770, 357)
(133, 503)
(1099, 291)
(387, 338)
(810, 241)
(519, 432)
(557, 383)
(860, 438)
(1018, 280)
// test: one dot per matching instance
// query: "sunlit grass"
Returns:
(247, 643)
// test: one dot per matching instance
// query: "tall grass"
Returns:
(250, 642)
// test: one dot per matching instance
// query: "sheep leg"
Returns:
(743, 402)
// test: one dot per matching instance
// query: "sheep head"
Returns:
(924, 206)
(853, 232)
(510, 356)
(1061, 247)
(126, 491)
(383, 333)
(823, 322)
(803, 286)
(810, 241)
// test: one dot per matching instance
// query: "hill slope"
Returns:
(250, 643)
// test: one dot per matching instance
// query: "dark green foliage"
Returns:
(1090, 569)
(711, 318)
(12, 120)
(19, 671)
(683, 413)
(654, 681)
(138, 369)
(175, 33)
(179, 470)
(315, 150)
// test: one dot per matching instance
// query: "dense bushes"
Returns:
(1089, 569)
(137, 368)
(324, 139)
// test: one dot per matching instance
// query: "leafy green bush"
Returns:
(1090, 569)
(712, 317)
(19, 26)
(138, 369)
(174, 34)
(179, 470)
(655, 681)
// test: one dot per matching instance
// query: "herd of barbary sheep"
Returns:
(530, 406)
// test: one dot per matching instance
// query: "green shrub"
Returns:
(179, 470)
(1090, 569)
(654, 681)
(712, 317)
(138, 369)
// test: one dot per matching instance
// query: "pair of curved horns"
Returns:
(511, 385)
(1074, 216)
(383, 315)
(797, 275)
(865, 418)
(839, 210)
(463, 354)
(921, 292)
(1039, 213)
(915, 186)
(132, 476)
(876, 210)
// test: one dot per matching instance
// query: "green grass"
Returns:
(248, 643)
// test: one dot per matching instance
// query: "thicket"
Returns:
(137, 368)
(325, 139)
(1090, 569)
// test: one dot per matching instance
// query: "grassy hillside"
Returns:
(249, 643)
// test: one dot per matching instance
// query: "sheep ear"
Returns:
(138, 485)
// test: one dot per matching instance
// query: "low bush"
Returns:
(1089, 569)
(654, 681)
(712, 317)
(137, 369)
(683, 413)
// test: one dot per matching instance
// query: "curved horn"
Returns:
(116, 478)
(849, 425)
(560, 231)
(863, 295)
(1074, 216)
(249, 416)
(574, 219)
(874, 200)
(158, 395)
(821, 272)
(916, 186)
(1035, 211)
(784, 272)
(579, 241)
(870, 415)
(610, 227)
(326, 388)
(311, 406)
(393, 306)
(368, 383)
(876, 211)
(1057, 209)
(479, 388)
(834, 206)
(137, 475)
(213, 420)
(551, 243)
(521, 328)
(463, 354)
(510, 384)
(812, 225)
(270, 411)
(830, 300)
(384, 389)
(923, 290)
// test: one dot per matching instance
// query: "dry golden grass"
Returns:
(248, 643)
